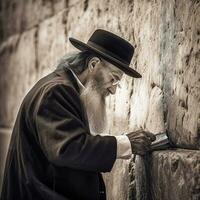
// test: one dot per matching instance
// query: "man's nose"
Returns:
(112, 89)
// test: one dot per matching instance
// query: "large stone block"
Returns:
(20, 15)
(51, 42)
(118, 180)
(11, 16)
(18, 73)
(175, 175)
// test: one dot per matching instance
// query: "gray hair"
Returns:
(78, 62)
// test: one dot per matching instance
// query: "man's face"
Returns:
(102, 79)
(106, 76)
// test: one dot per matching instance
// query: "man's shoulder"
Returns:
(57, 82)
(54, 81)
(52, 88)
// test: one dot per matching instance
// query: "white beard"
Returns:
(95, 106)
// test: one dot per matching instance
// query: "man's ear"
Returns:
(93, 63)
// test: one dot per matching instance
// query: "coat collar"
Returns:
(81, 86)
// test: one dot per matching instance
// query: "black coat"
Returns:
(52, 155)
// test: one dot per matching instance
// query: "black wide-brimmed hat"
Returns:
(110, 47)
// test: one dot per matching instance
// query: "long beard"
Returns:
(95, 106)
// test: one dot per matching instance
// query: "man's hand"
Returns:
(141, 141)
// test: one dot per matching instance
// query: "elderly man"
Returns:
(58, 150)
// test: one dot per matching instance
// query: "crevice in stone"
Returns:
(36, 49)
(119, 25)
(86, 3)
(174, 166)
(52, 7)
(165, 112)
(65, 19)
(98, 12)
(183, 104)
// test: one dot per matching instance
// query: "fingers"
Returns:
(141, 141)
(151, 136)
(146, 141)
(142, 134)
(140, 147)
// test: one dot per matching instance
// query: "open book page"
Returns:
(161, 142)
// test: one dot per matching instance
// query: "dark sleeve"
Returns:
(64, 138)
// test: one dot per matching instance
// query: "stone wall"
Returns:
(166, 34)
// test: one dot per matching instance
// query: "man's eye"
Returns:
(115, 79)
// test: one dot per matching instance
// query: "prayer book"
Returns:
(162, 142)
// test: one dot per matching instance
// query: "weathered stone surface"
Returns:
(117, 182)
(59, 5)
(20, 15)
(162, 69)
(175, 175)
(10, 17)
(18, 73)
(180, 57)
(155, 118)
(51, 43)
(142, 180)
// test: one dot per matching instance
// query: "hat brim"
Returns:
(124, 67)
